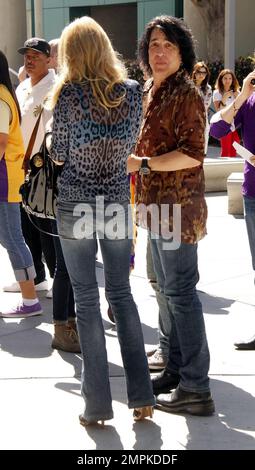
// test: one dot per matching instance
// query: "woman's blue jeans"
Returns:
(11, 238)
(177, 276)
(80, 258)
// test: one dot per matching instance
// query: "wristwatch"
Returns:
(144, 168)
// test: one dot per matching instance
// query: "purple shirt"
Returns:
(245, 120)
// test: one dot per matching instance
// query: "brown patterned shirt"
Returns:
(174, 120)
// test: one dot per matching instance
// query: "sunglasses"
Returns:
(202, 72)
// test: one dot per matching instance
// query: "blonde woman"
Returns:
(96, 122)
(226, 91)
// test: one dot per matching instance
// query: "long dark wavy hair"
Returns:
(177, 32)
(6, 81)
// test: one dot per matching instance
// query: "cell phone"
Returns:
(253, 81)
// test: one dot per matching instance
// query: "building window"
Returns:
(179, 8)
(78, 12)
(115, 19)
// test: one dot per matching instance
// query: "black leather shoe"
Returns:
(164, 382)
(179, 401)
(248, 346)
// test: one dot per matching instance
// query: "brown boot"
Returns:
(65, 338)
(73, 324)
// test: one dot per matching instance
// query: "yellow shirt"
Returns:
(5, 117)
(11, 172)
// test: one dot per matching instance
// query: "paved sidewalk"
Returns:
(40, 398)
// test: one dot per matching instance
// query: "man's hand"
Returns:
(133, 163)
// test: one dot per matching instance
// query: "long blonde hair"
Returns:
(86, 53)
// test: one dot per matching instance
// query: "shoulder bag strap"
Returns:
(40, 229)
(31, 142)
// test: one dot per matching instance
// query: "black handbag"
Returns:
(39, 191)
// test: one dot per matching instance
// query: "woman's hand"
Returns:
(248, 88)
(252, 160)
(133, 163)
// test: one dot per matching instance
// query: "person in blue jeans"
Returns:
(168, 160)
(11, 177)
(96, 120)
(65, 336)
(242, 112)
(157, 357)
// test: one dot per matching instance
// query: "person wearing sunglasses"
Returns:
(200, 76)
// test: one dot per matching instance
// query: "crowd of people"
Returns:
(104, 126)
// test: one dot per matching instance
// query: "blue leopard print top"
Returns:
(94, 143)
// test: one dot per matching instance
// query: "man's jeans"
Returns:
(164, 323)
(249, 211)
(177, 276)
(80, 257)
(11, 238)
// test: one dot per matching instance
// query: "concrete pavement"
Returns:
(40, 398)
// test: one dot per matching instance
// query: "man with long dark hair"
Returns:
(169, 159)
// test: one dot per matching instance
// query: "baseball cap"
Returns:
(37, 44)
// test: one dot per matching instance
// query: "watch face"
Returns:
(144, 170)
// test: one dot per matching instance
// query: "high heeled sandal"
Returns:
(141, 413)
(84, 422)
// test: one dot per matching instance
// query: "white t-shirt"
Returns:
(217, 96)
(31, 99)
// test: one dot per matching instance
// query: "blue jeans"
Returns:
(63, 301)
(249, 214)
(11, 238)
(164, 324)
(80, 258)
(177, 276)
(39, 243)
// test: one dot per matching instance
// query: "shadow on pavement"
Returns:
(226, 430)
(74, 360)
(153, 435)
(215, 305)
(105, 438)
(23, 342)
